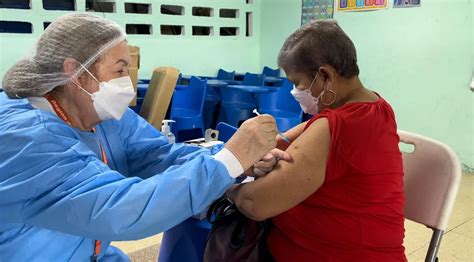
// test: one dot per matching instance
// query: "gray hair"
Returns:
(82, 37)
(318, 43)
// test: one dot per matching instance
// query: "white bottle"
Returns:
(166, 131)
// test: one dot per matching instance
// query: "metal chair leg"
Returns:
(432, 253)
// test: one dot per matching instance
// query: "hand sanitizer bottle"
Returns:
(166, 131)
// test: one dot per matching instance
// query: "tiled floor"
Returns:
(457, 243)
(132, 246)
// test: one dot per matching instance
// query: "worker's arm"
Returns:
(289, 183)
(51, 180)
(149, 153)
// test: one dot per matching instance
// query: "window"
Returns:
(229, 13)
(249, 24)
(46, 24)
(100, 6)
(62, 5)
(16, 27)
(138, 29)
(202, 11)
(172, 10)
(172, 30)
(15, 4)
(202, 30)
(229, 31)
(134, 8)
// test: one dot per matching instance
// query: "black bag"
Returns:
(234, 237)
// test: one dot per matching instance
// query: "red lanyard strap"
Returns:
(62, 114)
(58, 109)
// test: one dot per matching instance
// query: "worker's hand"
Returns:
(269, 161)
(253, 140)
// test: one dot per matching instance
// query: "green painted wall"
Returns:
(201, 55)
(420, 59)
(279, 19)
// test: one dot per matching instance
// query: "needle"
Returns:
(280, 133)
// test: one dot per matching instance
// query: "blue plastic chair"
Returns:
(142, 88)
(228, 77)
(224, 75)
(213, 98)
(187, 108)
(253, 80)
(267, 71)
(185, 242)
(226, 131)
(282, 106)
(237, 105)
(211, 106)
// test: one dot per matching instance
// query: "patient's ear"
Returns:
(327, 72)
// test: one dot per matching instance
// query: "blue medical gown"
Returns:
(57, 196)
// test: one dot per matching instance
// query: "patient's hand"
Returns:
(268, 162)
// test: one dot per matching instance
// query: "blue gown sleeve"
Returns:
(147, 151)
(49, 179)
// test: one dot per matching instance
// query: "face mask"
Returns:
(307, 101)
(113, 97)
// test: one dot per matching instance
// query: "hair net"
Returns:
(83, 37)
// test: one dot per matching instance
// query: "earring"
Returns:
(332, 100)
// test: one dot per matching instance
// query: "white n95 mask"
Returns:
(113, 97)
(308, 103)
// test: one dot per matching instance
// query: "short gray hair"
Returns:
(318, 43)
(83, 37)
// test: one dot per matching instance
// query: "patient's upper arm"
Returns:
(289, 183)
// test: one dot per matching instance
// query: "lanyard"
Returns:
(62, 114)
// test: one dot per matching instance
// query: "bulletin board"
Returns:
(316, 9)
(360, 5)
(406, 3)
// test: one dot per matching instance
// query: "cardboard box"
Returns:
(134, 55)
(158, 96)
(134, 49)
(133, 72)
(135, 60)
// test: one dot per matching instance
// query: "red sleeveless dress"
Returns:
(357, 214)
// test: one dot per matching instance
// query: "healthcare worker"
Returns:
(78, 169)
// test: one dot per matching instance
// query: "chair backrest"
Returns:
(226, 131)
(432, 177)
(267, 71)
(224, 75)
(280, 100)
(158, 96)
(190, 97)
(253, 80)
